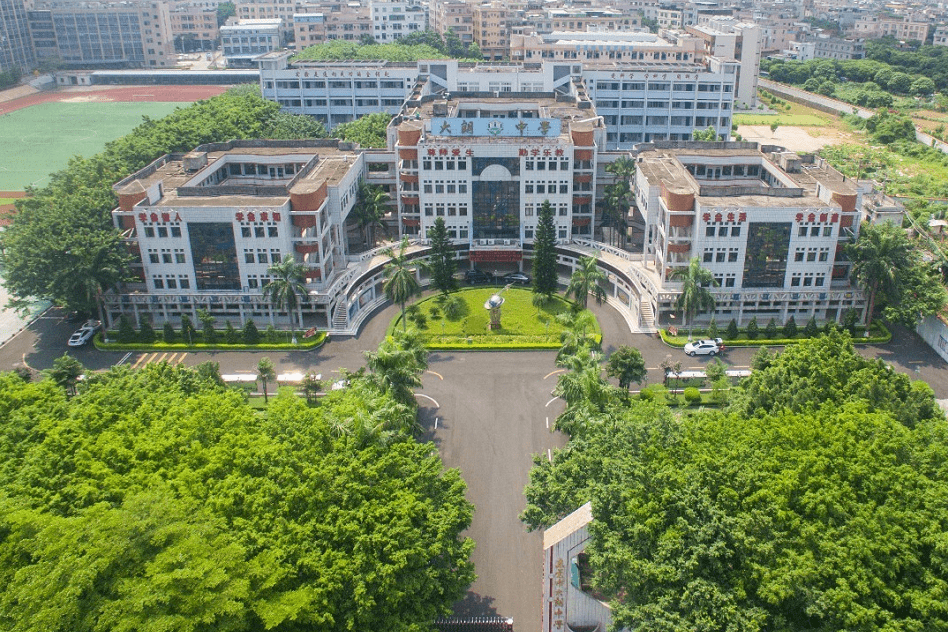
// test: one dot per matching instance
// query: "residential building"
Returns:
(194, 28)
(453, 15)
(331, 21)
(940, 37)
(16, 47)
(727, 38)
(391, 19)
(550, 20)
(248, 39)
(492, 30)
(104, 34)
(901, 28)
(823, 47)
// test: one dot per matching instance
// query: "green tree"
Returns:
(544, 252)
(887, 265)
(713, 328)
(311, 386)
(126, 331)
(168, 334)
(627, 365)
(266, 373)
(618, 197)
(811, 330)
(207, 325)
(250, 333)
(770, 332)
(790, 328)
(369, 211)
(287, 126)
(695, 296)
(231, 335)
(753, 329)
(398, 364)
(923, 87)
(585, 280)
(225, 10)
(287, 287)
(66, 371)
(900, 83)
(441, 261)
(146, 332)
(732, 331)
(705, 134)
(368, 130)
(400, 282)
(187, 329)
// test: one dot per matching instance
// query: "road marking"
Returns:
(440, 377)
(551, 401)
(183, 356)
(171, 359)
(163, 356)
(437, 405)
(549, 455)
(141, 359)
(547, 423)
(436, 423)
(553, 373)
(124, 359)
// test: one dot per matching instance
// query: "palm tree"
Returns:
(369, 211)
(586, 279)
(286, 287)
(400, 282)
(398, 365)
(878, 258)
(266, 373)
(695, 296)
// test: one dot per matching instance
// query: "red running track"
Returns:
(102, 94)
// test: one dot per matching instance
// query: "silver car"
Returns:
(704, 347)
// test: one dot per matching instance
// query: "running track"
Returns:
(182, 94)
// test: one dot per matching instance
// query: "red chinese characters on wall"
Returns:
(262, 216)
(833, 219)
(156, 218)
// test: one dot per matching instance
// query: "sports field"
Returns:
(41, 139)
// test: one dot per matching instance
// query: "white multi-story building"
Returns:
(248, 39)
(640, 101)
(392, 19)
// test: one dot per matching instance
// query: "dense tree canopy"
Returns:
(368, 130)
(62, 244)
(412, 47)
(158, 500)
(812, 504)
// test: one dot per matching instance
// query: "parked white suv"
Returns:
(704, 347)
(84, 334)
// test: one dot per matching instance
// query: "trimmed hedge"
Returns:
(882, 335)
(306, 345)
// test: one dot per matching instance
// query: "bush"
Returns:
(419, 319)
(187, 330)
(732, 330)
(720, 389)
(435, 313)
(653, 392)
(713, 328)
(168, 334)
(811, 329)
(771, 331)
(231, 336)
(753, 330)
(850, 320)
(251, 334)
(272, 336)
(790, 328)
(147, 333)
(454, 307)
(126, 332)
(692, 395)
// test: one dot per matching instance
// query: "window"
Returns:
(153, 257)
(798, 255)
(722, 231)
(824, 255)
(815, 231)
(166, 257)
(735, 231)
(709, 231)
(149, 231)
(719, 256)
(162, 231)
(528, 188)
(732, 256)
(273, 231)
(802, 232)
(827, 231)
(248, 257)
(729, 282)
(159, 283)
(258, 231)
(811, 256)
(175, 231)
(262, 257)
(245, 232)
(184, 283)
(708, 256)
(427, 188)
(172, 284)
(795, 281)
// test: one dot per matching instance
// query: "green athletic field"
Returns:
(39, 140)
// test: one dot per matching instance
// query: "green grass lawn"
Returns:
(521, 324)
(784, 120)
(40, 140)
(4, 200)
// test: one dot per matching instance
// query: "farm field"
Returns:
(41, 139)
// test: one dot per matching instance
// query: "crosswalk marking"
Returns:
(174, 359)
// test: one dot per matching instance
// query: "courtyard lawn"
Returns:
(784, 120)
(40, 140)
(522, 327)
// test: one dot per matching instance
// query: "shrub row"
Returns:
(305, 344)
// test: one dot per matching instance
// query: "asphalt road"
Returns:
(486, 412)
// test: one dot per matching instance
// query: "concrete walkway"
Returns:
(11, 321)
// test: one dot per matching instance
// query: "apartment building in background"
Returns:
(194, 28)
(452, 15)
(392, 19)
(104, 34)
(327, 21)
(492, 30)
(901, 28)
(247, 39)
(16, 46)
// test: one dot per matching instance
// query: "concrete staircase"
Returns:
(648, 317)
